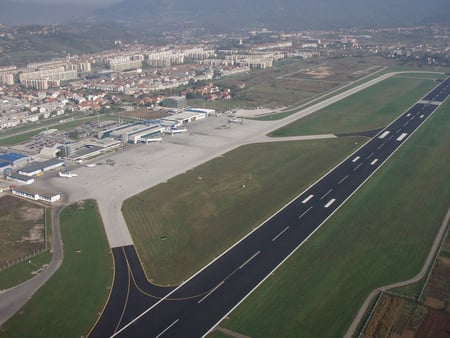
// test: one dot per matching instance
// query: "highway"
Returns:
(138, 309)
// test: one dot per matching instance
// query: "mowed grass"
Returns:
(180, 226)
(369, 109)
(68, 305)
(382, 235)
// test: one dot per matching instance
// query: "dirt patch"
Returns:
(145, 114)
(320, 73)
(435, 325)
(35, 234)
(434, 303)
(27, 213)
(21, 229)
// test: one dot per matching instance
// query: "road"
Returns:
(198, 305)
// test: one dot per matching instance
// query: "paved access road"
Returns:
(196, 306)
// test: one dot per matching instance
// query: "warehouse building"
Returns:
(37, 169)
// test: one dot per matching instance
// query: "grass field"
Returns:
(381, 236)
(369, 109)
(289, 84)
(69, 303)
(179, 226)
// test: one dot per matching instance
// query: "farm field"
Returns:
(382, 235)
(427, 317)
(369, 109)
(78, 290)
(180, 226)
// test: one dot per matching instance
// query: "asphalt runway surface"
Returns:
(138, 309)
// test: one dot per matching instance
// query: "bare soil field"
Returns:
(21, 229)
(428, 320)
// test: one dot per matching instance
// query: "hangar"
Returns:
(41, 167)
(15, 159)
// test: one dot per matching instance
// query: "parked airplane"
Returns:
(90, 165)
(67, 175)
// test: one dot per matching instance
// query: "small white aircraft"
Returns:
(67, 175)
(91, 165)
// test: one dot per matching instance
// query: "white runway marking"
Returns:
(355, 159)
(249, 260)
(370, 155)
(167, 328)
(380, 146)
(384, 134)
(210, 292)
(307, 199)
(357, 167)
(326, 194)
(401, 137)
(374, 161)
(343, 179)
(282, 232)
(421, 116)
(305, 212)
(330, 203)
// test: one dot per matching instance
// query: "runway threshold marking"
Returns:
(401, 137)
(304, 213)
(307, 199)
(374, 161)
(330, 202)
(167, 329)
(282, 232)
(326, 194)
(384, 134)
(355, 159)
(210, 292)
(343, 179)
(250, 259)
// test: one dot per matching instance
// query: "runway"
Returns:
(138, 309)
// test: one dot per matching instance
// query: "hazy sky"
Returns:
(96, 2)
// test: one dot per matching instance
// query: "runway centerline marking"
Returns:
(250, 259)
(210, 292)
(380, 146)
(326, 194)
(282, 232)
(357, 167)
(167, 329)
(343, 179)
(304, 213)
(370, 155)
(330, 202)
(307, 199)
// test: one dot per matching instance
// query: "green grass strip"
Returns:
(68, 305)
(180, 226)
(368, 109)
(382, 235)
